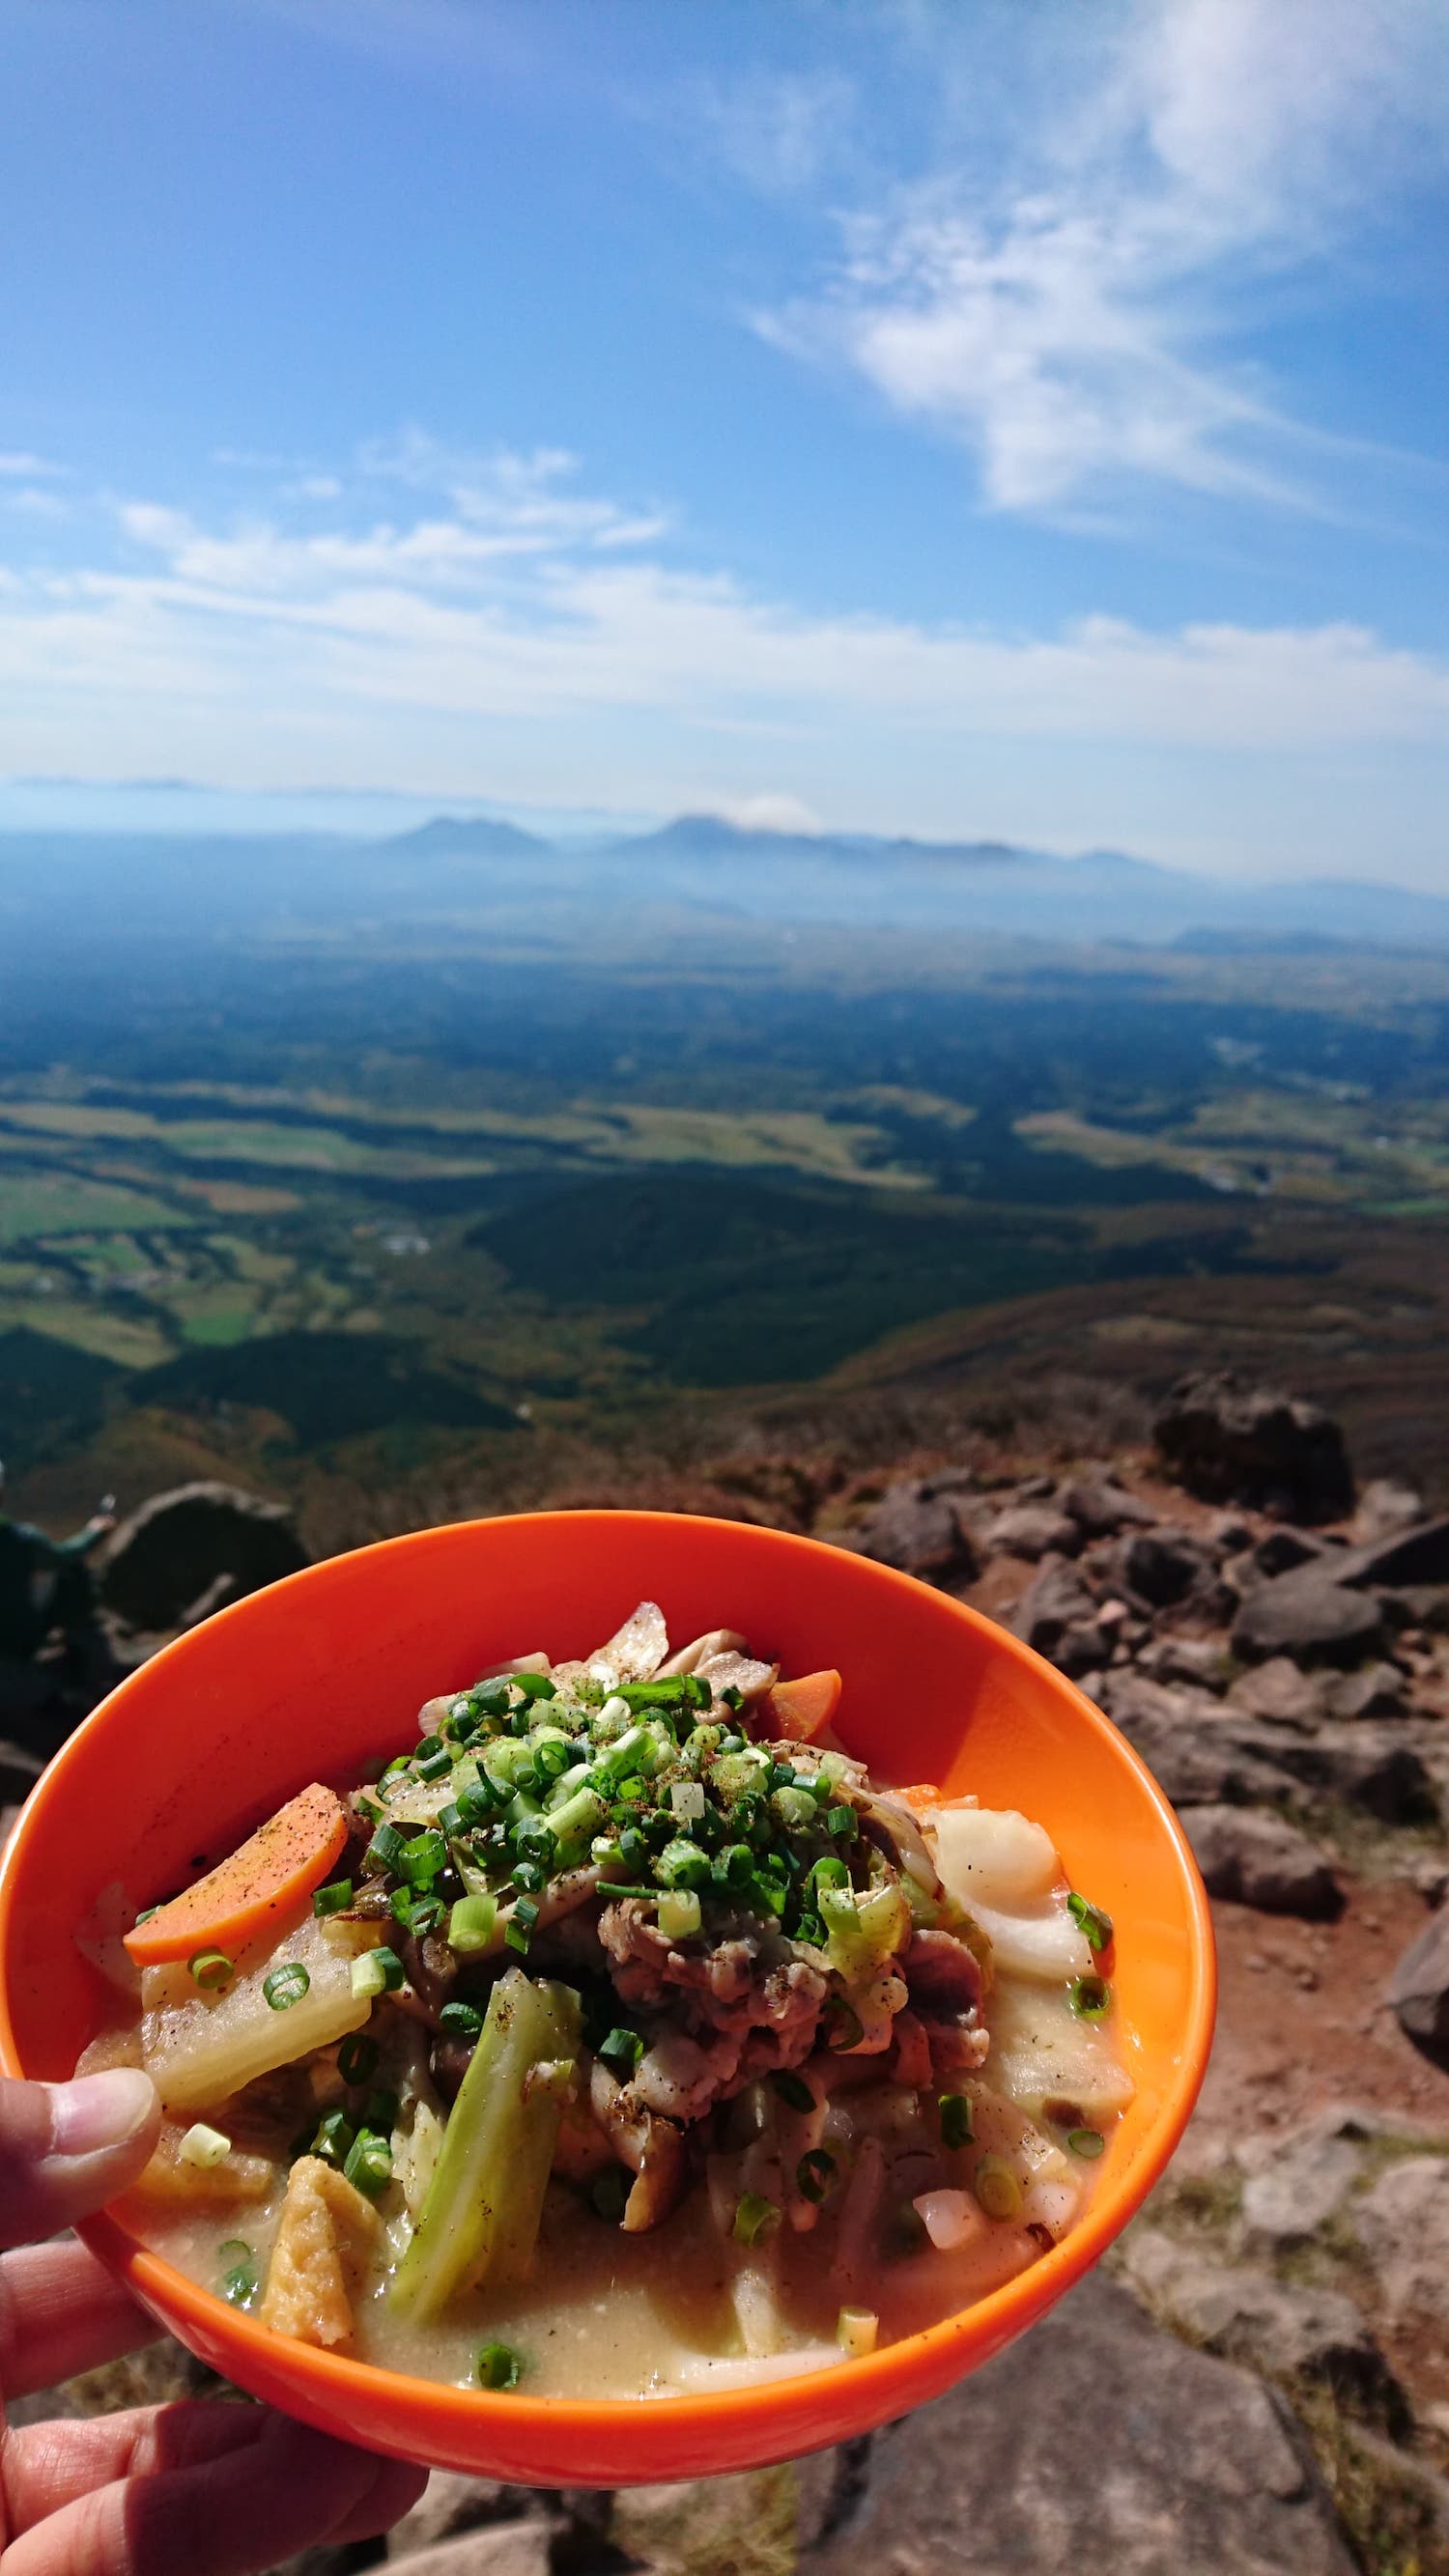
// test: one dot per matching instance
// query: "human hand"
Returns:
(204, 2488)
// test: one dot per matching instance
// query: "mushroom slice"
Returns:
(635, 1652)
(744, 1673)
(715, 1641)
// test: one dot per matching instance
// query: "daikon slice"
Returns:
(199, 2046)
(993, 1856)
(1043, 1943)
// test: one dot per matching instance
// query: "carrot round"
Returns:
(283, 1860)
(801, 1709)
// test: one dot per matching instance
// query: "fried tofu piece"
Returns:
(326, 2233)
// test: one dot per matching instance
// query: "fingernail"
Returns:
(96, 2111)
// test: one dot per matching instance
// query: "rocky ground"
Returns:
(1262, 2386)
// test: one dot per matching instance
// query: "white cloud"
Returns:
(1061, 300)
(765, 813)
(17, 464)
(501, 631)
(778, 131)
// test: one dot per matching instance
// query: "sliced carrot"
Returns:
(283, 1860)
(801, 1709)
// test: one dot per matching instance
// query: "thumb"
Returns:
(65, 2148)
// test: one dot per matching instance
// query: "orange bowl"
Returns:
(324, 1672)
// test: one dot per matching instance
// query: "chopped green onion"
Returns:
(622, 2048)
(679, 1914)
(436, 1764)
(369, 2163)
(369, 1810)
(420, 1860)
(683, 1864)
(211, 1969)
(957, 2124)
(498, 2366)
(203, 2147)
(452, 1822)
(519, 1931)
(793, 2089)
(830, 1872)
(286, 1985)
(737, 1861)
(997, 2188)
(334, 1899)
(145, 1915)
(846, 2029)
(377, 1972)
(533, 1685)
(1089, 1997)
(472, 1923)
(855, 2332)
(333, 2138)
(379, 2112)
(1086, 2142)
(357, 2058)
(477, 1805)
(1091, 1920)
(460, 2020)
(530, 1877)
(633, 1849)
(239, 2280)
(385, 1850)
(814, 2174)
(842, 1822)
(754, 2217)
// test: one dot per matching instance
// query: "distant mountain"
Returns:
(455, 836)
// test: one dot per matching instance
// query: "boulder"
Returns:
(1198, 1660)
(1279, 1550)
(1385, 1507)
(1279, 1694)
(919, 1532)
(1101, 1507)
(1199, 1754)
(1419, 1989)
(1262, 1861)
(1375, 1691)
(1294, 2185)
(1309, 1617)
(1250, 2317)
(1055, 1599)
(161, 1559)
(1032, 1530)
(1402, 2224)
(496, 2549)
(1162, 1566)
(1187, 2463)
(1413, 1559)
(1366, 1764)
(1235, 1444)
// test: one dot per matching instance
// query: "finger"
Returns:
(65, 2148)
(289, 2490)
(48, 2465)
(395, 2490)
(60, 2312)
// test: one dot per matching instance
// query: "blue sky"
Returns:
(960, 419)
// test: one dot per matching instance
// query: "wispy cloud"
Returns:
(1065, 302)
(499, 629)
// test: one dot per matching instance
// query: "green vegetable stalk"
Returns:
(481, 2216)
(862, 1933)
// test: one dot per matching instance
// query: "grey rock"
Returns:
(1251, 2317)
(449, 2504)
(1036, 1489)
(1053, 1601)
(1280, 1694)
(1299, 2183)
(1236, 1444)
(1200, 1755)
(1101, 1507)
(1162, 1566)
(1370, 1764)
(1385, 1507)
(1402, 2223)
(1309, 1617)
(167, 1554)
(917, 1532)
(1419, 1989)
(498, 2549)
(1230, 1535)
(749, 2524)
(1191, 2465)
(19, 1771)
(1416, 1557)
(1202, 1661)
(1262, 1861)
(1280, 1550)
(1376, 1690)
(1085, 1647)
(1032, 1530)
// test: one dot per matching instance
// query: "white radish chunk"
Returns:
(1045, 1944)
(993, 1856)
(950, 2218)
